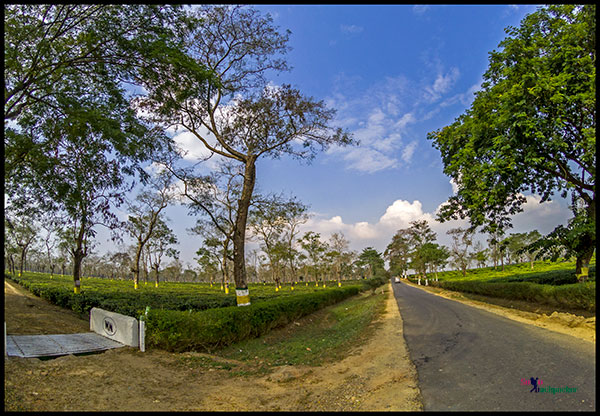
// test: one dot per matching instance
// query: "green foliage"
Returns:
(120, 296)
(312, 341)
(215, 328)
(576, 295)
(549, 283)
(532, 125)
(397, 252)
(371, 258)
(189, 316)
(374, 282)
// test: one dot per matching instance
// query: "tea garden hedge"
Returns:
(550, 283)
(193, 316)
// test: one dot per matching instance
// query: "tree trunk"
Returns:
(12, 265)
(78, 256)
(225, 270)
(22, 261)
(136, 265)
(586, 247)
(239, 234)
(145, 264)
(156, 271)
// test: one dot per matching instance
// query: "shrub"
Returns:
(374, 282)
(576, 296)
(188, 316)
(214, 328)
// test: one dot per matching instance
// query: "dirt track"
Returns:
(376, 376)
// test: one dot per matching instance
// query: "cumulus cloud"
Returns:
(399, 214)
(402, 212)
(454, 186)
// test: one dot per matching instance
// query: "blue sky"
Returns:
(393, 73)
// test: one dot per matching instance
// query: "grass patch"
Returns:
(204, 362)
(324, 336)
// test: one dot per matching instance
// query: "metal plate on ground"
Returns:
(31, 346)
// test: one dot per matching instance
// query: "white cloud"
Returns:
(408, 151)
(454, 186)
(401, 213)
(405, 120)
(441, 85)
(464, 98)
(192, 148)
(378, 119)
(367, 160)
(382, 115)
(541, 216)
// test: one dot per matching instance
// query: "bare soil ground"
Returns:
(377, 375)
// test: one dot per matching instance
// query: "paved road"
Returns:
(471, 359)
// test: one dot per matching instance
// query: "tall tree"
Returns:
(531, 127)
(339, 253)
(372, 260)
(315, 248)
(22, 234)
(274, 221)
(208, 263)
(531, 252)
(51, 225)
(397, 252)
(420, 233)
(296, 215)
(73, 137)
(462, 239)
(49, 49)
(240, 116)
(83, 180)
(480, 254)
(145, 212)
(433, 256)
(160, 245)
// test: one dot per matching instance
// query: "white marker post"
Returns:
(142, 333)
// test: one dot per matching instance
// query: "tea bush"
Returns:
(188, 316)
(214, 328)
(551, 283)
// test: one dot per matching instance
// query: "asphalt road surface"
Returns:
(471, 359)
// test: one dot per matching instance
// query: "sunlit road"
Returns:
(471, 359)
